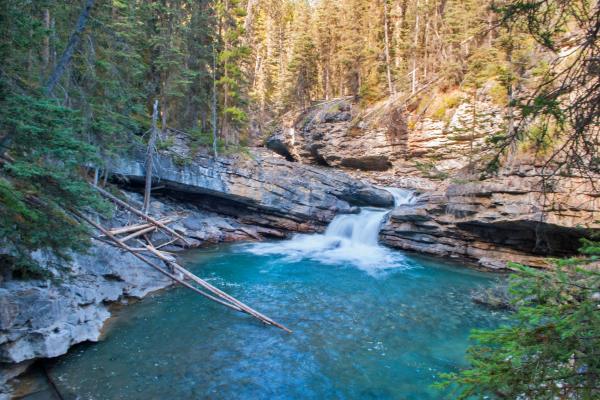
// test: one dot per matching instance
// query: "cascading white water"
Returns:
(402, 196)
(349, 239)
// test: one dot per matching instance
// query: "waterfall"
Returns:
(402, 196)
(350, 239)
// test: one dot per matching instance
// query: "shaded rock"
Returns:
(265, 190)
(504, 219)
(325, 135)
(45, 318)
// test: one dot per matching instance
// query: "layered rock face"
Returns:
(387, 137)
(509, 218)
(263, 189)
(327, 136)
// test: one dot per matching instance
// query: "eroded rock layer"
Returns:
(262, 188)
(508, 218)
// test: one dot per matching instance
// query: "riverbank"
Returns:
(242, 198)
(44, 318)
(355, 331)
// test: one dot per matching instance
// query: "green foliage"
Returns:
(302, 68)
(498, 94)
(539, 137)
(40, 176)
(483, 65)
(550, 350)
(429, 170)
(445, 103)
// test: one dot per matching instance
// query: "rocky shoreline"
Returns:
(224, 201)
(514, 216)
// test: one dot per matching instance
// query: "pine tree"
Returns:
(302, 68)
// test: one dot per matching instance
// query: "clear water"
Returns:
(360, 331)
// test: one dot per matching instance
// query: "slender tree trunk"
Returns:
(512, 150)
(96, 176)
(415, 44)
(249, 19)
(67, 55)
(46, 46)
(426, 44)
(490, 33)
(473, 128)
(149, 158)
(214, 102)
(387, 47)
(164, 114)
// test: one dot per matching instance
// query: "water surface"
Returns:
(381, 330)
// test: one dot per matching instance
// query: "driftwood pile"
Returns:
(135, 240)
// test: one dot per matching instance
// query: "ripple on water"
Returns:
(356, 335)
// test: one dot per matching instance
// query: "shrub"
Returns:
(550, 351)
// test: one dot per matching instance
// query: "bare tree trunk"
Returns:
(163, 120)
(512, 150)
(46, 46)
(67, 55)
(490, 34)
(415, 44)
(473, 127)
(214, 102)
(426, 44)
(387, 47)
(249, 19)
(96, 176)
(149, 157)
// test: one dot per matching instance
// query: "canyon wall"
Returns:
(515, 214)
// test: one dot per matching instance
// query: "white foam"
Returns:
(350, 239)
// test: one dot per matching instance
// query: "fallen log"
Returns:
(160, 246)
(214, 289)
(133, 228)
(138, 233)
(224, 298)
(150, 263)
(140, 213)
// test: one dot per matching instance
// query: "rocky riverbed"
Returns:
(227, 200)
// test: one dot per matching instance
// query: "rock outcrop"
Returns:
(489, 223)
(387, 137)
(44, 318)
(261, 189)
(431, 144)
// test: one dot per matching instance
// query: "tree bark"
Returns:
(214, 102)
(67, 55)
(149, 158)
(512, 150)
(46, 47)
(387, 47)
(415, 44)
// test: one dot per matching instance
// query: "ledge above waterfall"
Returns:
(262, 182)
